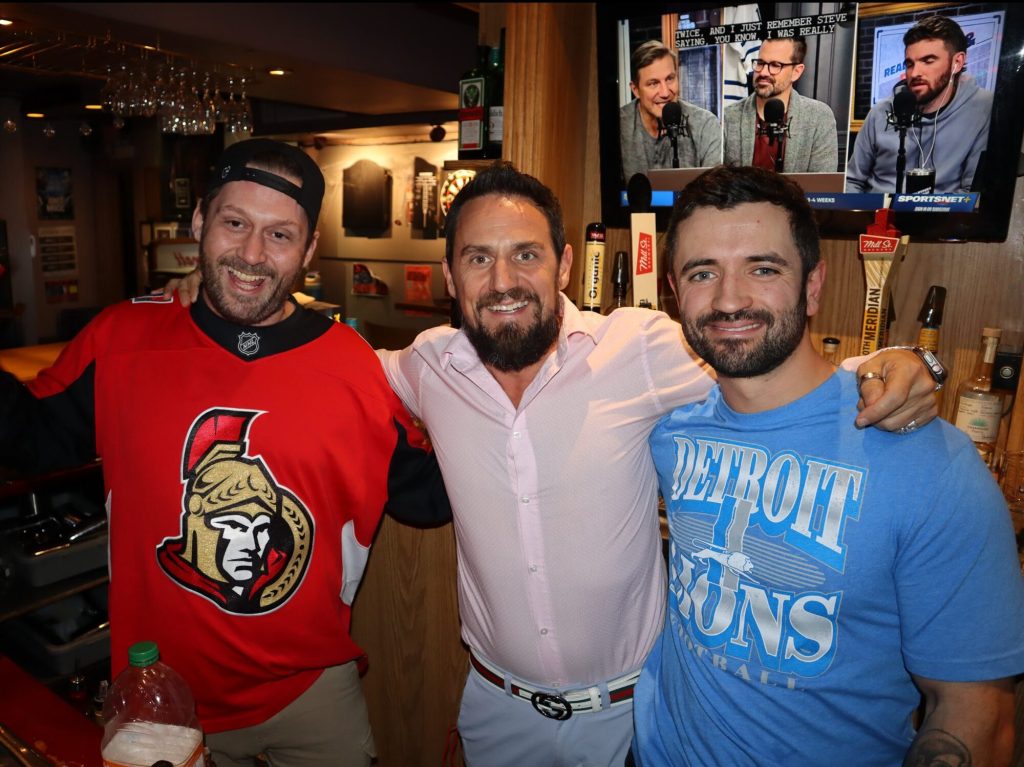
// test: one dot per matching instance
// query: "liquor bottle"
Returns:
(620, 280)
(830, 350)
(978, 409)
(473, 109)
(593, 267)
(496, 100)
(930, 318)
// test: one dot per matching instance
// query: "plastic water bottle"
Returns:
(150, 715)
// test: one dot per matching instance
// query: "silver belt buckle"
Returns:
(551, 705)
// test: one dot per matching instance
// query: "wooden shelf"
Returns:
(441, 307)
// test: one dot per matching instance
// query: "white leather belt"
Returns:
(561, 704)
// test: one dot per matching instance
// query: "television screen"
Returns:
(865, 106)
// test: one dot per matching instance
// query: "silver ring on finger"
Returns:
(910, 426)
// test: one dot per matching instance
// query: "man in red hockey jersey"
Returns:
(232, 530)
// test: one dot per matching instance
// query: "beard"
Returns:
(741, 359)
(767, 89)
(933, 92)
(510, 347)
(243, 310)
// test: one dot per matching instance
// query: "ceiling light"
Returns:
(279, 71)
(6, 22)
(35, 115)
(94, 106)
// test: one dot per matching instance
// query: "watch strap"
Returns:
(930, 360)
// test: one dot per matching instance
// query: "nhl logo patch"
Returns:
(248, 344)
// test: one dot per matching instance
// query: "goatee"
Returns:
(739, 358)
(511, 348)
(237, 309)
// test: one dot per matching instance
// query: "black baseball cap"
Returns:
(233, 166)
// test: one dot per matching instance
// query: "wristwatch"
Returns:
(936, 368)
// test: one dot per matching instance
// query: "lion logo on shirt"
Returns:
(245, 541)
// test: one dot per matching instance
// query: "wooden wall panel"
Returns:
(406, 619)
(550, 91)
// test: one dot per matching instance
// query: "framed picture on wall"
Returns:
(53, 194)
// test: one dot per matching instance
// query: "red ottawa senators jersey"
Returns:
(246, 470)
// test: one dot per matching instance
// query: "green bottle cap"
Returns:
(143, 654)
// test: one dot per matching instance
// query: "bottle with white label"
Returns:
(593, 267)
(150, 715)
(978, 409)
(473, 117)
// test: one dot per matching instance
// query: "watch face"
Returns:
(936, 368)
(452, 185)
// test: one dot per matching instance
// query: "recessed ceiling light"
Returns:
(149, 47)
(279, 71)
(35, 115)
(6, 22)
(94, 106)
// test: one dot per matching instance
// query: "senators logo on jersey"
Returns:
(245, 541)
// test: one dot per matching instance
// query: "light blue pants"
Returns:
(499, 730)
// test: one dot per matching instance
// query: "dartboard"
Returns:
(452, 185)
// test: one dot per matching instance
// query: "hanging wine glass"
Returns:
(217, 102)
(241, 117)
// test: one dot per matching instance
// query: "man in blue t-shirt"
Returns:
(822, 578)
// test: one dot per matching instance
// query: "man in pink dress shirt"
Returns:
(539, 415)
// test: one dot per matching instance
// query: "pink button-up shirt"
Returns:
(560, 575)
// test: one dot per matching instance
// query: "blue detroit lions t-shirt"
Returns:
(813, 568)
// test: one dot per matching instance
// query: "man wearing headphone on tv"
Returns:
(950, 103)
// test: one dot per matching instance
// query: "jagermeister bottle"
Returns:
(473, 109)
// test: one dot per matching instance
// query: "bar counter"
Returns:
(45, 721)
(26, 361)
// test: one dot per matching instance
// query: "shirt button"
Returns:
(524, 499)
(517, 434)
(543, 632)
(533, 568)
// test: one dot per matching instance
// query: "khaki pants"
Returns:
(326, 726)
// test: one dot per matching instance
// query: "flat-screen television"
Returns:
(867, 119)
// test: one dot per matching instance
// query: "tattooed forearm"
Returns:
(937, 748)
